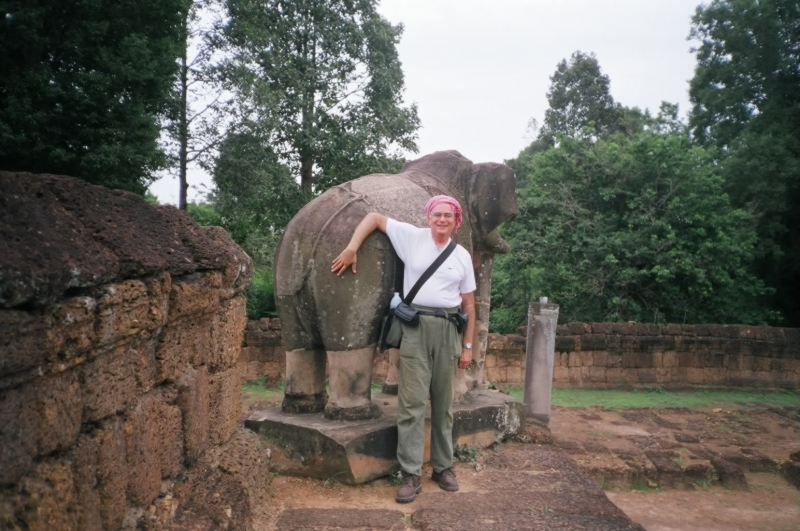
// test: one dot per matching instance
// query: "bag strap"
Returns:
(430, 271)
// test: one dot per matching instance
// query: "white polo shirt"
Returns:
(417, 250)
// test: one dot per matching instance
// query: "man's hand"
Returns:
(466, 358)
(346, 259)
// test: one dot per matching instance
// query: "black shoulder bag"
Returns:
(392, 334)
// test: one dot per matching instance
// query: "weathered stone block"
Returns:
(628, 360)
(587, 359)
(491, 361)
(72, 325)
(617, 375)
(663, 375)
(112, 472)
(646, 376)
(124, 310)
(600, 359)
(615, 361)
(599, 328)
(577, 329)
(154, 444)
(275, 324)
(47, 498)
(515, 375)
(597, 374)
(193, 402)
(629, 344)
(564, 343)
(694, 375)
(225, 405)
(496, 342)
(658, 359)
(194, 294)
(181, 343)
(84, 471)
(687, 360)
(561, 374)
(108, 383)
(714, 376)
(228, 331)
(574, 359)
(19, 431)
(644, 360)
(25, 341)
(669, 359)
(248, 354)
(594, 342)
(227, 486)
(263, 323)
(58, 407)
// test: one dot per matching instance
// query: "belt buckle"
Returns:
(440, 313)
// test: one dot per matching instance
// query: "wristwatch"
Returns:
(468, 345)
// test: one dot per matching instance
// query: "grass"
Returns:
(253, 392)
(659, 398)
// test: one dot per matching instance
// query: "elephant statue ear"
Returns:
(492, 199)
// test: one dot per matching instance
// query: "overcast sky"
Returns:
(479, 70)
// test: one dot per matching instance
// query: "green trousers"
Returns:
(428, 359)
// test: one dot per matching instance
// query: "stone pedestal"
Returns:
(353, 452)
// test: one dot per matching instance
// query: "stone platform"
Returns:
(353, 452)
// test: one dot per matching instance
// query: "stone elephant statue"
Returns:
(325, 315)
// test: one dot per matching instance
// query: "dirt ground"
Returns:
(755, 437)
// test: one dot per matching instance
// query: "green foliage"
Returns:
(254, 194)
(83, 84)
(628, 228)
(465, 454)
(204, 214)
(579, 97)
(322, 83)
(746, 96)
(151, 198)
(261, 294)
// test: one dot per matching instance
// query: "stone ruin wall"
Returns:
(599, 355)
(602, 355)
(120, 332)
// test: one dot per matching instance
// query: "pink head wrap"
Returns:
(437, 200)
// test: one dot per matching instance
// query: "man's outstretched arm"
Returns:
(348, 257)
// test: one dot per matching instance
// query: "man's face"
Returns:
(442, 220)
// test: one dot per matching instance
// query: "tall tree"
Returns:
(629, 227)
(579, 97)
(746, 97)
(198, 119)
(83, 84)
(321, 79)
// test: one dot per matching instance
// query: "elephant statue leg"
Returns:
(350, 385)
(305, 381)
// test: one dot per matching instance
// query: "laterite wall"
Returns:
(120, 332)
(607, 355)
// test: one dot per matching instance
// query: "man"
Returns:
(428, 351)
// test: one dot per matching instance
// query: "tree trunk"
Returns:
(183, 126)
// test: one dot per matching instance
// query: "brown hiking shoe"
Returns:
(412, 485)
(446, 479)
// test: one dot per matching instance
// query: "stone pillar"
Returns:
(539, 356)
